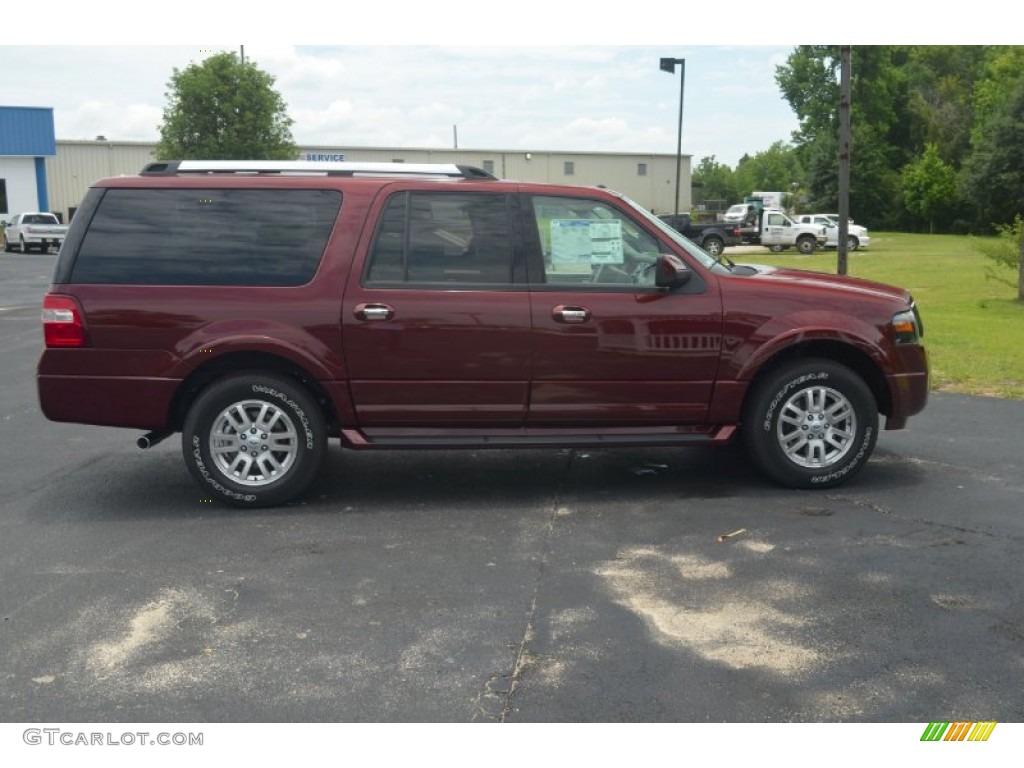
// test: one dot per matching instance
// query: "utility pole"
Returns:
(669, 65)
(242, 49)
(844, 156)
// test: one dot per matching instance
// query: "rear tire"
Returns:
(254, 439)
(776, 248)
(810, 424)
(714, 245)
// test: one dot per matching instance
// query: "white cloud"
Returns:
(132, 122)
(600, 98)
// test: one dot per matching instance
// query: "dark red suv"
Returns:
(259, 308)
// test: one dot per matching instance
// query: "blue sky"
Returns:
(593, 98)
(526, 75)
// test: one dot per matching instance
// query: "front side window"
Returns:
(427, 238)
(589, 243)
(206, 237)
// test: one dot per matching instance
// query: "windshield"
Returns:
(691, 247)
(737, 210)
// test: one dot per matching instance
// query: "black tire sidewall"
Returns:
(714, 246)
(805, 245)
(764, 407)
(282, 392)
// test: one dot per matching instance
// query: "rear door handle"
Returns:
(373, 312)
(572, 315)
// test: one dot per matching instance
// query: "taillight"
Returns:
(62, 322)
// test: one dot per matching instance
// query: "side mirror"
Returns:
(671, 271)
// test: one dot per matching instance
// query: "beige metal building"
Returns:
(648, 178)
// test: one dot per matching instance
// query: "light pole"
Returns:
(669, 65)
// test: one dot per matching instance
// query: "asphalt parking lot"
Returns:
(557, 585)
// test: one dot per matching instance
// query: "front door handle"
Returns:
(373, 312)
(572, 315)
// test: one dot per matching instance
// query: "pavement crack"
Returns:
(501, 687)
(883, 510)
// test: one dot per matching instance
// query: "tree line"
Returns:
(937, 141)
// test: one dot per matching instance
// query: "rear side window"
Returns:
(207, 237)
(442, 238)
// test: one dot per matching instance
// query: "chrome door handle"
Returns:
(374, 312)
(573, 315)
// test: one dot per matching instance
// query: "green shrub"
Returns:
(1004, 251)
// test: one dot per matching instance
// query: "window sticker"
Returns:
(579, 244)
(606, 242)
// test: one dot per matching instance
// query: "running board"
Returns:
(402, 437)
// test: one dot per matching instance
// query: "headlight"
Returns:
(907, 326)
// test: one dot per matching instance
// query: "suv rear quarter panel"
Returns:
(145, 340)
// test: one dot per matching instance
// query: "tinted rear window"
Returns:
(207, 237)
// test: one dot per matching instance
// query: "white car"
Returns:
(743, 214)
(33, 230)
(857, 236)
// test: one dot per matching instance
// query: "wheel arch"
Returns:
(233, 363)
(828, 349)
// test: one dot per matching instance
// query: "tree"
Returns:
(941, 83)
(810, 83)
(1004, 69)
(776, 168)
(223, 109)
(929, 185)
(715, 180)
(993, 176)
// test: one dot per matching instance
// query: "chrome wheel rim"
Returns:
(253, 443)
(816, 427)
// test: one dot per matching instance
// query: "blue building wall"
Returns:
(29, 132)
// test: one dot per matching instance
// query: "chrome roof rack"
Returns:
(300, 167)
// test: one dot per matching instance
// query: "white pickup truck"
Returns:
(777, 232)
(33, 230)
(856, 235)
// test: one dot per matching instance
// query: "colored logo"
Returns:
(960, 731)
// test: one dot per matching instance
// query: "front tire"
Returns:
(254, 440)
(852, 243)
(811, 424)
(806, 245)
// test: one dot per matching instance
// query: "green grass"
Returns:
(974, 327)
